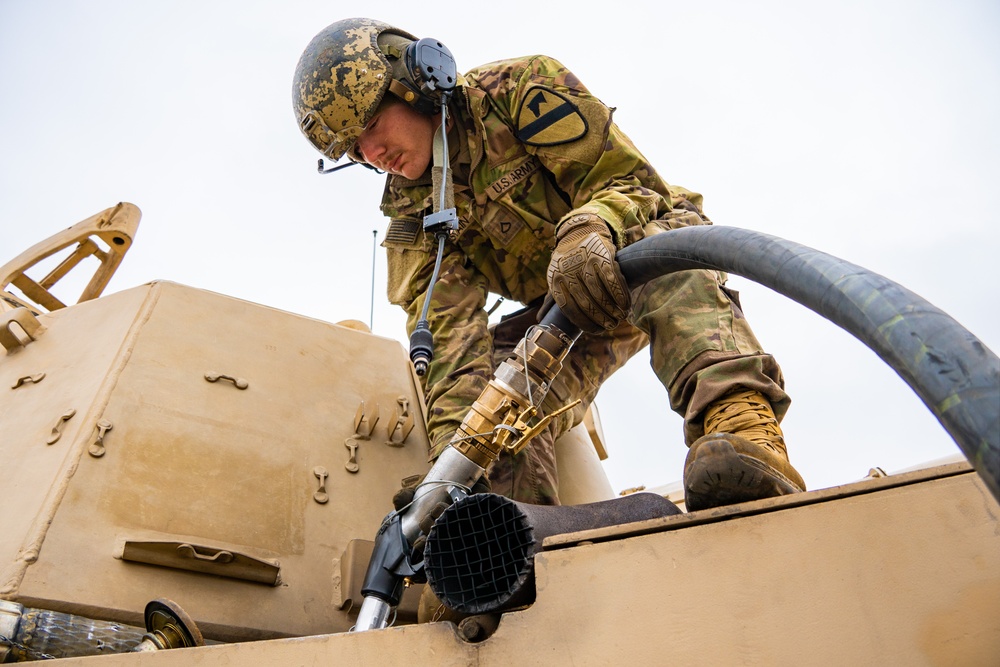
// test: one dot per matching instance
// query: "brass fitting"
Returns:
(513, 395)
(168, 626)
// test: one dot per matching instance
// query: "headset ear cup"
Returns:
(431, 69)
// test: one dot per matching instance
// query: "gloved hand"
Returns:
(403, 497)
(584, 278)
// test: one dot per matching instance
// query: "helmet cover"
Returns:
(339, 82)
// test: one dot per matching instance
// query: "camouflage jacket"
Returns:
(530, 147)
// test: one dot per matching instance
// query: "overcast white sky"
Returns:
(868, 130)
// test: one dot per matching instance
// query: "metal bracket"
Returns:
(115, 227)
(28, 323)
(200, 558)
(442, 222)
(364, 422)
(240, 383)
(36, 378)
(400, 423)
(57, 429)
(97, 448)
(321, 496)
(352, 463)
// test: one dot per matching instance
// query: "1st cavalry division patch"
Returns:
(547, 118)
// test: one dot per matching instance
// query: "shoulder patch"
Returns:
(402, 231)
(548, 118)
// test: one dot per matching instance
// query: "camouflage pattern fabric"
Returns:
(332, 111)
(531, 147)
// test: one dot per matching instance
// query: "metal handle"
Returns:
(199, 558)
(28, 323)
(240, 383)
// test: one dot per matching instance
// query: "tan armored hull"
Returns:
(900, 570)
(168, 442)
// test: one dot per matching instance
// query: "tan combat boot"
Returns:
(741, 457)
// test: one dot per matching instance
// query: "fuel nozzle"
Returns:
(519, 385)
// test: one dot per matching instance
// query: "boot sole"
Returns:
(721, 476)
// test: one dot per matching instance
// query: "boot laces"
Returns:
(748, 414)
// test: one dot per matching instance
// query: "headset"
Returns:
(431, 75)
(430, 78)
(430, 81)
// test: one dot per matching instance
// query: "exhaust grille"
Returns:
(478, 553)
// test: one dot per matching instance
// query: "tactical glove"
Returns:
(584, 278)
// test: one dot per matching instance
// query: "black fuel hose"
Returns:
(953, 372)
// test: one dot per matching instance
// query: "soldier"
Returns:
(547, 188)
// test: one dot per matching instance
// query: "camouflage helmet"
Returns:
(341, 78)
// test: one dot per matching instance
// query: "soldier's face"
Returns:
(397, 139)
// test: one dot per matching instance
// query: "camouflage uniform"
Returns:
(530, 148)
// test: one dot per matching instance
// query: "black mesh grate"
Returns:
(478, 553)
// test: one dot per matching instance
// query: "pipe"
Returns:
(953, 372)
(42, 634)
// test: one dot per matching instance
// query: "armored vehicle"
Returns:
(192, 479)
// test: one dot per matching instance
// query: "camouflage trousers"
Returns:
(701, 348)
